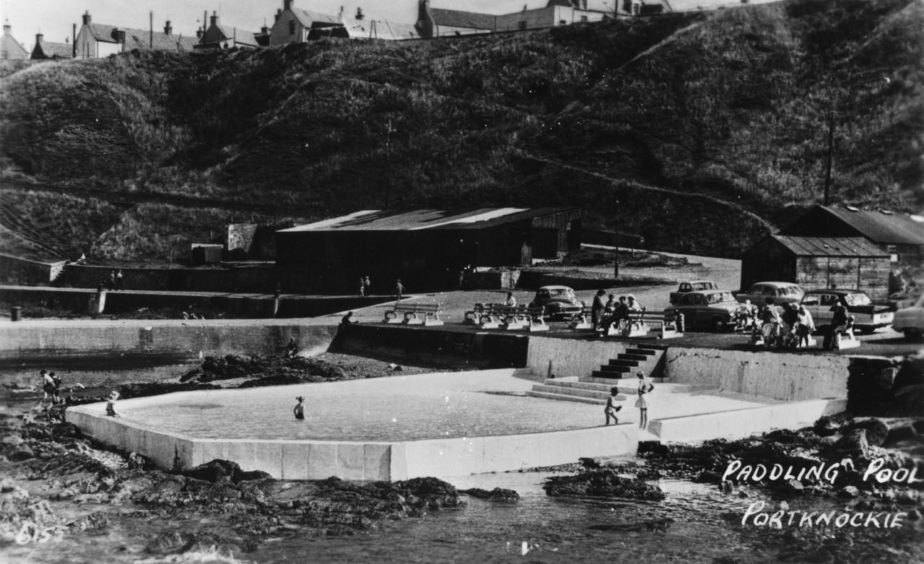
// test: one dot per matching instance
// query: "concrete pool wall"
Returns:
(313, 459)
(30, 339)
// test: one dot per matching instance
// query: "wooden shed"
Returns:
(819, 262)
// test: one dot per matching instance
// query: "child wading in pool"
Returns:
(611, 407)
(299, 409)
(644, 388)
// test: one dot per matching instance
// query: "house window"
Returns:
(584, 19)
(562, 22)
(291, 27)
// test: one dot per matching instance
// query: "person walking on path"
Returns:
(299, 409)
(362, 287)
(645, 387)
(611, 408)
(399, 289)
(120, 280)
(367, 285)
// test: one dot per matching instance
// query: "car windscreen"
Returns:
(857, 300)
(719, 297)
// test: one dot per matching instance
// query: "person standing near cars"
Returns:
(596, 310)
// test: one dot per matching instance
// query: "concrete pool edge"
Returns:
(361, 461)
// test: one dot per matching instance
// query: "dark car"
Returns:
(692, 286)
(559, 302)
(867, 316)
(711, 310)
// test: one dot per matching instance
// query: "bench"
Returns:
(846, 340)
(579, 321)
(511, 318)
(639, 323)
(414, 314)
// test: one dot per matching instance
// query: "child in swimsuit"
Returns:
(299, 409)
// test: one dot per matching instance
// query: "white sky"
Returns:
(53, 18)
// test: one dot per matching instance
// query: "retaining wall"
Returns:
(316, 460)
(118, 338)
(742, 423)
(255, 278)
(436, 346)
(233, 304)
(781, 376)
(570, 357)
(18, 270)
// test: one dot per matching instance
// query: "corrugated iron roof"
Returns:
(426, 219)
(884, 228)
(830, 246)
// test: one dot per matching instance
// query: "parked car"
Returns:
(781, 292)
(867, 317)
(910, 320)
(711, 310)
(692, 286)
(559, 302)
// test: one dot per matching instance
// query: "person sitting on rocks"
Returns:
(48, 386)
(611, 408)
(299, 409)
(292, 347)
(56, 391)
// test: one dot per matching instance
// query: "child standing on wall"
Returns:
(299, 409)
(110, 403)
(611, 408)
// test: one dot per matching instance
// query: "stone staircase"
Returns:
(620, 372)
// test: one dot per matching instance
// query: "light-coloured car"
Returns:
(781, 292)
(692, 286)
(910, 320)
(559, 302)
(867, 317)
(710, 310)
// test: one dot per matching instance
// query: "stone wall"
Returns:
(17, 270)
(570, 357)
(152, 337)
(777, 375)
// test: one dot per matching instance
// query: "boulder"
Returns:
(497, 494)
(603, 482)
(22, 452)
(876, 430)
(214, 471)
(849, 492)
(854, 444)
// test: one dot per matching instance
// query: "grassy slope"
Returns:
(733, 105)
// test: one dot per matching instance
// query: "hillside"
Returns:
(698, 131)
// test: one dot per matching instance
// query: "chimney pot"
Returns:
(214, 19)
(287, 4)
(87, 18)
(39, 37)
(276, 17)
(168, 29)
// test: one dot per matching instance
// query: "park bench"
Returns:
(846, 340)
(579, 321)
(414, 314)
(639, 324)
(511, 318)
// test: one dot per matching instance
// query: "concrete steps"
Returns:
(619, 372)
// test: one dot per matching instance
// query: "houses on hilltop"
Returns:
(10, 49)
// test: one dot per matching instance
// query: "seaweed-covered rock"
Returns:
(602, 482)
(497, 494)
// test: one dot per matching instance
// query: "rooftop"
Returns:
(830, 246)
(418, 220)
(881, 226)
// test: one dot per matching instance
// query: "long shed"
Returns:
(425, 248)
(819, 262)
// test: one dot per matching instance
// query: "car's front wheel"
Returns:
(912, 334)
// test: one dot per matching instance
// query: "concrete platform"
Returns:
(546, 433)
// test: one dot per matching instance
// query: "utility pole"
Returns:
(829, 158)
(151, 30)
(388, 131)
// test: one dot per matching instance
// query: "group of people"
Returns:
(115, 280)
(645, 387)
(793, 326)
(365, 286)
(612, 312)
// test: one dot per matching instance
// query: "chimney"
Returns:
(168, 29)
(286, 5)
(276, 17)
(6, 28)
(264, 30)
(359, 14)
(74, 42)
(38, 38)
(214, 20)
(86, 18)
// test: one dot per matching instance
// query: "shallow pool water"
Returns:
(387, 409)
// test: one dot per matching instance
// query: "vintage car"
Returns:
(710, 310)
(910, 320)
(692, 286)
(559, 302)
(866, 316)
(781, 292)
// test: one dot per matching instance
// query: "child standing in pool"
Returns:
(299, 409)
(644, 388)
(611, 408)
